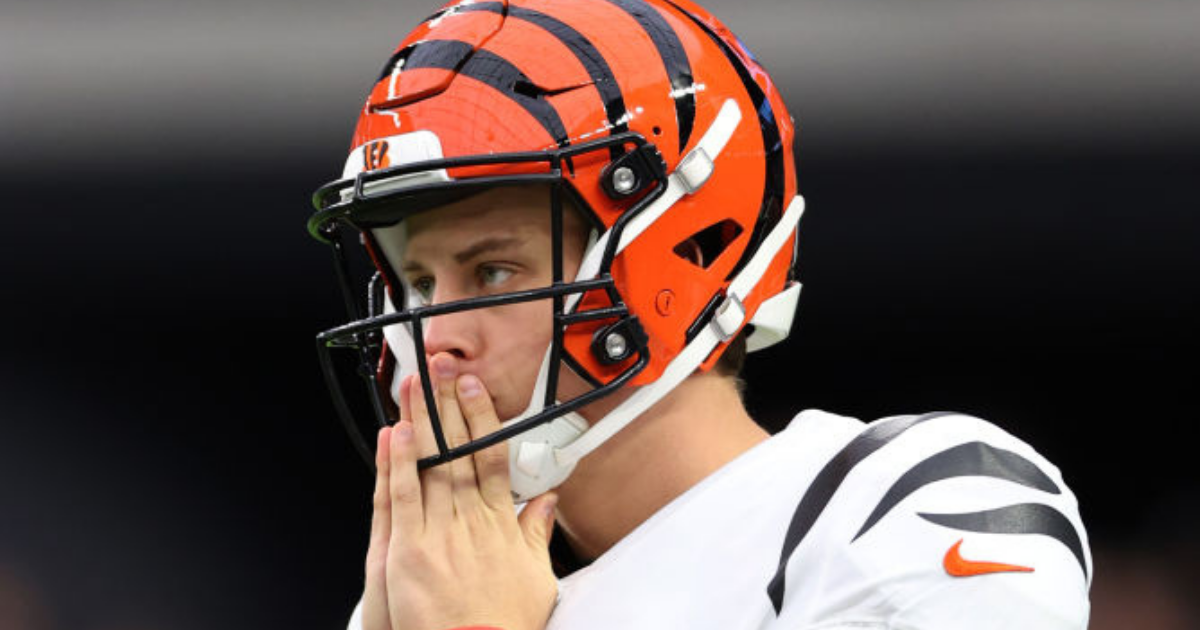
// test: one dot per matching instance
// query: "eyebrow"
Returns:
(476, 249)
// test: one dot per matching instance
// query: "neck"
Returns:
(696, 429)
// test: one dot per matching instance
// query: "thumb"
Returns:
(537, 520)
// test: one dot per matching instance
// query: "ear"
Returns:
(691, 251)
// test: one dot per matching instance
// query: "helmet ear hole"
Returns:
(704, 247)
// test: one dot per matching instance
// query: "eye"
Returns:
(494, 275)
(422, 290)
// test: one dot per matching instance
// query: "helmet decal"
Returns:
(375, 155)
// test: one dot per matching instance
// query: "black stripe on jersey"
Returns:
(826, 483)
(971, 459)
(1023, 518)
(674, 59)
(489, 68)
(587, 54)
(771, 209)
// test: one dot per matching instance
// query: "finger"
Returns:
(462, 471)
(435, 480)
(491, 464)
(381, 518)
(537, 522)
(404, 485)
(374, 603)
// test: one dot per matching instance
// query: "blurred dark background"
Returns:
(1002, 220)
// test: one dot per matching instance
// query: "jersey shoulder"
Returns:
(936, 521)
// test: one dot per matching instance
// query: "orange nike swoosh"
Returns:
(959, 566)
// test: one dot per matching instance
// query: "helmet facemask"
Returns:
(388, 335)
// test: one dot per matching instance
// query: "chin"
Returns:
(511, 401)
(505, 409)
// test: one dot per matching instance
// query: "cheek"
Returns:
(519, 335)
(524, 329)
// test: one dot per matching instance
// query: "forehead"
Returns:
(505, 210)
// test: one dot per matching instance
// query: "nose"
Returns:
(457, 334)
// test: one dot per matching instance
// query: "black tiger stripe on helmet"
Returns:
(487, 68)
(584, 50)
(675, 61)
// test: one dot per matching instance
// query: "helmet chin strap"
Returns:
(541, 461)
(542, 458)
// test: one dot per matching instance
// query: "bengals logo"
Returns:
(375, 155)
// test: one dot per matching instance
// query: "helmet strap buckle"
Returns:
(694, 170)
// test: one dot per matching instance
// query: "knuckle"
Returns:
(376, 565)
(411, 557)
(435, 475)
(380, 498)
(479, 407)
(477, 520)
(494, 458)
(405, 494)
(457, 438)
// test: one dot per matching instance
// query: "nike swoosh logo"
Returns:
(958, 566)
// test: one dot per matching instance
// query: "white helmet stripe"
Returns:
(681, 182)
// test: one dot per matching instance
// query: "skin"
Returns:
(492, 243)
(452, 530)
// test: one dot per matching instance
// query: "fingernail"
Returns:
(404, 430)
(469, 386)
(548, 506)
(445, 367)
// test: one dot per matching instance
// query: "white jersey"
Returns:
(932, 522)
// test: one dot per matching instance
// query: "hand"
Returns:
(447, 547)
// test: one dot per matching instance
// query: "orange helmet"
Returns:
(651, 118)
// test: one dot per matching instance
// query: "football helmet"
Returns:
(651, 119)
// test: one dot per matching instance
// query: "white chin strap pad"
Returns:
(533, 469)
(531, 465)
